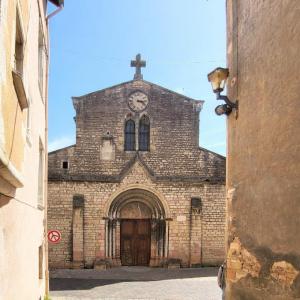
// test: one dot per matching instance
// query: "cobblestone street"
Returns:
(135, 283)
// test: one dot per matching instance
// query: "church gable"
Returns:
(140, 119)
(135, 84)
(122, 91)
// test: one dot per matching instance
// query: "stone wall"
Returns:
(174, 131)
(23, 149)
(175, 167)
(207, 238)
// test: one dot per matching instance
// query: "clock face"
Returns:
(138, 101)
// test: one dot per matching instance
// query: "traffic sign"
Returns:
(54, 236)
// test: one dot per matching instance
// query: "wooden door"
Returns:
(135, 242)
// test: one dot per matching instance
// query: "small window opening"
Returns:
(65, 165)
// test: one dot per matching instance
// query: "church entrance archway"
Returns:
(136, 229)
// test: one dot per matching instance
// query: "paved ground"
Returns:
(138, 283)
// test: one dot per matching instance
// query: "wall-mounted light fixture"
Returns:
(218, 78)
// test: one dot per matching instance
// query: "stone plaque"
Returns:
(107, 149)
(181, 218)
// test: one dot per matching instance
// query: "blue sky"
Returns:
(92, 43)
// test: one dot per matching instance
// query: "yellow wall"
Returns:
(13, 120)
(22, 213)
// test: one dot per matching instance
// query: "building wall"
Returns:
(22, 134)
(173, 117)
(178, 198)
(263, 161)
(174, 165)
(106, 111)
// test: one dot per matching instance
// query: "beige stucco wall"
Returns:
(263, 161)
(21, 218)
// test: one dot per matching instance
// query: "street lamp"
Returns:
(218, 78)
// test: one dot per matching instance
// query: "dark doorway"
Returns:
(135, 242)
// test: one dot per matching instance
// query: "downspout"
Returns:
(46, 148)
(46, 167)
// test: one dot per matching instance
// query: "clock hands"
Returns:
(137, 101)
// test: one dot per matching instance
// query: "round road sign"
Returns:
(54, 236)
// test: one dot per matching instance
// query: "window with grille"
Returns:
(129, 136)
(144, 134)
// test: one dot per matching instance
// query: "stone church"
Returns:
(136, 188)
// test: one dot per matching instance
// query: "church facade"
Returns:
(136, 188)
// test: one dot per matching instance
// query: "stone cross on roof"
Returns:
(138, 64)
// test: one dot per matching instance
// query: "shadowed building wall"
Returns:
(263, 164)
(23, 148)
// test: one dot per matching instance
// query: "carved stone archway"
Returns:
(137, 203)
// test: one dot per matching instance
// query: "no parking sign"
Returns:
(54, 236)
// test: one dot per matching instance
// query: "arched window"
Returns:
(129, 136)
(144, 134)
